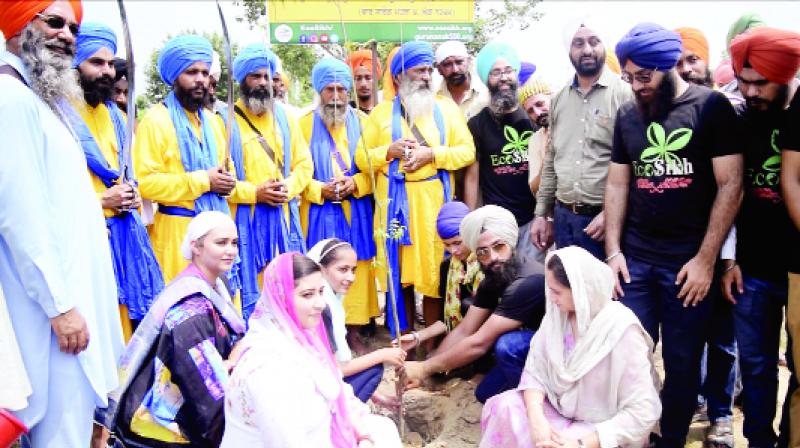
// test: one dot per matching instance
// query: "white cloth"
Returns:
(450, 48)
(199, 227)
(54, 255)
(15, 388)
(728, 251)
(490, 218)
(279, 396)
(336, 305)
(601, 325)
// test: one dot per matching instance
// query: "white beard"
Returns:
(418, 99)
(51, 73)
(333, 117)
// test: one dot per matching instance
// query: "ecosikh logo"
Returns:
(660, 158)
(770, 173)
(515, 150)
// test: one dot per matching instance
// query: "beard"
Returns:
(503, 101)
(586, 67)
(187, 99)
(500, 274)
(51, 74)
(333, 114)
(257, 100)
(418, 98)
(456, 79)
(656, 107)
(98, 90)
(365, 97)
(705, 80)
(543, 120)
(765, 108)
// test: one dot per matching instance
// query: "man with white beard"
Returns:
(55, 262)
(412, 144)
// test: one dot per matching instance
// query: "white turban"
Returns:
(450, 48)
(200, 226)
(216, 66)
(489, 218)
(594, 22)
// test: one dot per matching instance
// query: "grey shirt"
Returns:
(581, 135)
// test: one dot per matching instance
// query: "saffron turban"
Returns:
(526, 70)
(533, 87)
(695, 41)
(742, 24)
(612, 62)
(199, 227)
(363, 58)
(412, 54)
(773, 53)
(724, 75)
(449, 219)
(331, 70)
(180, 53)
(492, 218)
(14, 15)
(451, 48)
(489, 55)
(389, 90)
(252, 58)
(650, 46)
(91, 38)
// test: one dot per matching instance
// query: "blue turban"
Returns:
(489, 55)
(526, 70)
(650, 46)
(180, 53)
(412, 54)
(92, 37)
(252, 58)
(330, 70)
(449, 219)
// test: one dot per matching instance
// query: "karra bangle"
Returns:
(730, 268)
(610, 257)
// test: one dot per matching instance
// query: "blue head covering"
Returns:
(180, 53)
(650, 46)
(489, 55)
(449, 219)
(92, 37)
(252, 58)
(330, 70)
(526, 70)
(412, 54)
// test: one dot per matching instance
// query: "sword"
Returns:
(229, 60)
(130, 110)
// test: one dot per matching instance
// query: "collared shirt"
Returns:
(475, 98)
(581, 131)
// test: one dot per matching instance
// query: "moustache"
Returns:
(56, 45)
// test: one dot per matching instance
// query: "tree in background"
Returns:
(157, 91)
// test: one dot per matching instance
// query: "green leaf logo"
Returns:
(662, 146)
(773, 163)
(516, 142)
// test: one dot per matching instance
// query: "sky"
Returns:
(541, 43)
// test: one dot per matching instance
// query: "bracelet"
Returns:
(610, 257)
(730, 268)
(416, 337)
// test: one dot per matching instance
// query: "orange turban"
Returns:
(362, 58)
(773, 53)
(388, 81)
(14, 15)
(695, 41)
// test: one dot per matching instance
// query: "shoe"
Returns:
(720, 434)
(700, 414)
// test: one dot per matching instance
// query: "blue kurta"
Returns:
(54, 255)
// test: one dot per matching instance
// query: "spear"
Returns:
(229, 61)
(131, 108)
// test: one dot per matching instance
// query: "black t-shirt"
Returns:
(763, 227)
(501, 145)
(789, 138)
(523, 300)
(672, 185)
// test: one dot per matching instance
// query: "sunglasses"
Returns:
(58, 23)
(484, 254)
(642, 76)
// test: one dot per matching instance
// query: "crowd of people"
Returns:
(216, 282)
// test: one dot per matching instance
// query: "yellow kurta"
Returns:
(162, 179)
(419, 262)
(361, 301)
(98, 120)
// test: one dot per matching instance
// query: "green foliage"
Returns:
(298, 60)
(492, 16)
(157, 91)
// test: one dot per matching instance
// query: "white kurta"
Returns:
(54, 252)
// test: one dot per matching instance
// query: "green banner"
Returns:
(333, 33)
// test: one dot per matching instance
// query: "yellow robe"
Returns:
(419, 262)
(98, 120)
(361, 301)
(162, 179)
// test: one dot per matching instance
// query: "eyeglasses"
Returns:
(498, 73)
(483, 254)
(642, 76)
(58, 23)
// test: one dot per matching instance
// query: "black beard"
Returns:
(258, 93)
(364, 97)
(498, 281)
(773, 108)
(98, 90)
(587, 70)
(456, 79)
(543, 120)
(503, 101)
(187, 100)
(707, 80)
(656, 109)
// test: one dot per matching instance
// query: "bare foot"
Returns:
(386, 401)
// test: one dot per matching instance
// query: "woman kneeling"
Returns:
(589, 380)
